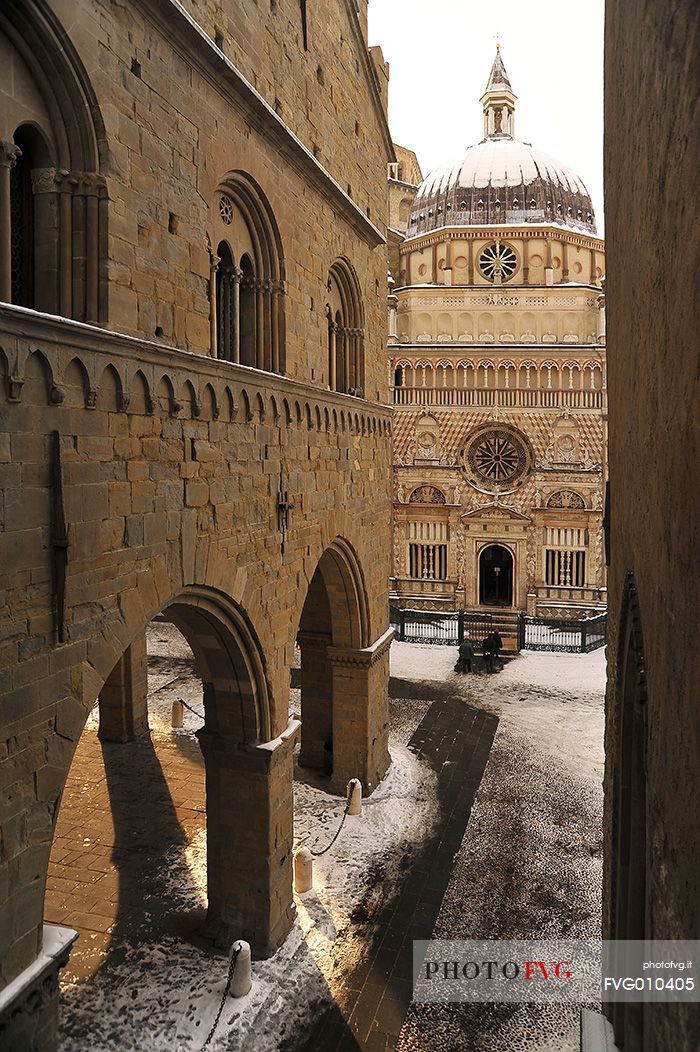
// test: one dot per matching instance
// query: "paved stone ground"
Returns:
(124, 808)
(370, 1007)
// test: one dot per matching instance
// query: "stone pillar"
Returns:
(332, 379)
(8, 158)
(316, 702)
(92, 250)
(123, 698)
(393, 304)
(526, 260)
(46, 245)
(360, 714)
(259, 325)
(250, 834)
(276, 357)
(564, 260)
(66, 243)
(213, 305)
(29, 1005)
(470, 262)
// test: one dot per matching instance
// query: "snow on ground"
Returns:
(159, 992)
(530, 863)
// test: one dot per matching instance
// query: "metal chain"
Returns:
(201, 716)
(229, 977)
(317, 854)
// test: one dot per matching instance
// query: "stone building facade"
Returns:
(652, 747)
(497, 354)
(193, 277)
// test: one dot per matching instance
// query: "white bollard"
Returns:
(303, 870)
(178, 714)
(242, 978)
(354, 795)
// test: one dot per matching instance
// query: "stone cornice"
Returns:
(364, 658)
(472, 233)
(21, 323)
(570, 348)
(174, 21)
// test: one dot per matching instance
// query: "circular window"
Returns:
(226, 209)
(497, 457)
(498, 261)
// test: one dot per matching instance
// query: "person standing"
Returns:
(496, 646)
(487, 648)
(466, 656)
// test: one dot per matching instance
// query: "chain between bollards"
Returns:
(350, 808)
(229, 977)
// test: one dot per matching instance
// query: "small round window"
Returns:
(498, 261)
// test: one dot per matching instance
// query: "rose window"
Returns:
(497, 457)
(498, 261)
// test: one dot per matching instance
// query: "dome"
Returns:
(501, 180)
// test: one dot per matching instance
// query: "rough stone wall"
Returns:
(652, 92)
(173, 131)
(154, 502)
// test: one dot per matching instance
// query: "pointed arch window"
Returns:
(346, 352)
(247, 286)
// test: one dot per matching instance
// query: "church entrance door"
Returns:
(496, 576)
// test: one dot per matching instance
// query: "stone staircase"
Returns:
(478, 624)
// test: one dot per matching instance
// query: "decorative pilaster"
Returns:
(9, 153)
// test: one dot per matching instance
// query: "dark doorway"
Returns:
(496, 576)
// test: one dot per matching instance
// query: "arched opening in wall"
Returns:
(629, 918)
(334, 618)
(248, 296)
(346, 352)
(496, 576)
(248, 322)
(148, 859)
(58, 230)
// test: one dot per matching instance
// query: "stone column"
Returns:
(66, 243)
(91, 189)
(250, 832)
(8, 158)
(564, 260)
(316, 702)
(213, 306)
(345, 336)
(123, 698)
(360, 714)
(259, 325)
(470, 262)
(548, 269)
(276, 356)
(393, 303)
(332, 379)
(526, 260)
(46, 246)
(235, 278)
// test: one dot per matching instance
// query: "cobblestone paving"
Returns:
(124, 807)
(370, 1008)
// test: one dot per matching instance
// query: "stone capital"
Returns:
(9, 153)
(364, 657)
(44, 180)
(313, 640)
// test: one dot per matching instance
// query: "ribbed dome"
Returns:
(502, 181)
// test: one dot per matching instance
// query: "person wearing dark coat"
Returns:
(487, 648)
(496, 645)
(466, 656)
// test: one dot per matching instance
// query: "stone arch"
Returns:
(68, 156)
(38, 387)
(260, 406)
(287, 412)
(165, 395)
(189, 400)
(230, 403)
(247, 406)
(76, 384)
(338, 734)
(140, 401)
(274, 409)
(345, 323)
(248, 295)
(110, 390)
(210, 405)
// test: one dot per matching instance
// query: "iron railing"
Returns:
(449, 628)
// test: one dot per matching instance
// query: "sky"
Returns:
(440, 54)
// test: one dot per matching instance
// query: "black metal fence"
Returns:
(533, 633)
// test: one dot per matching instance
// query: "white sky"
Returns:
(440, 54)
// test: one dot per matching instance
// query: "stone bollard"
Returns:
(178, 714)
(242, 978)
(354, 795)
(303, 870)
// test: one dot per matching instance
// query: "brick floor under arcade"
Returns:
(128, 863)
